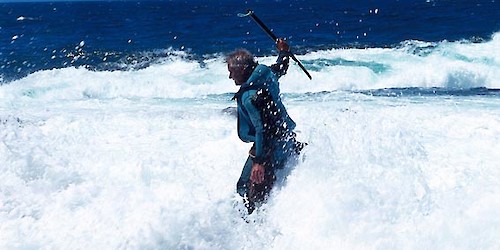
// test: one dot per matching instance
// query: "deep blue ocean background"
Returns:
(122, 35)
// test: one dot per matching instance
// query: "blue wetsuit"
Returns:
(263, 120)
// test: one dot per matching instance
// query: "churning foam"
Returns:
(145, 159)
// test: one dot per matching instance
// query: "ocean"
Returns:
(115, 131)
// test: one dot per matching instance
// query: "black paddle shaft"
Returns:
(263, 26)
(274, 37)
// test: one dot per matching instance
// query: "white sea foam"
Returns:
(458, 65)
(145, 159)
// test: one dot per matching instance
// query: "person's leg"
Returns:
(259, 192)
(243, 187)
(243, 183)
(254, 193)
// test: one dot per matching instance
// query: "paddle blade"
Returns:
(249, 13)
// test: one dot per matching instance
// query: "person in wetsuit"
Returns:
(263, 120)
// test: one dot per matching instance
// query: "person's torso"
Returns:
(263, 89)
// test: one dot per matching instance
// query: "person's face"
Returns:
(237, 73)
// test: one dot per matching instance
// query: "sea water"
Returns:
(403, 152)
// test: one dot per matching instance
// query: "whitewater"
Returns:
(403, 153)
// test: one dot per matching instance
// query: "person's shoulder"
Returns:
(263, 67)
(261, 70)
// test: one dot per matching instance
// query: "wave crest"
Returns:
(180, 74)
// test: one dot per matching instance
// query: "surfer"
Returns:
(263, 120)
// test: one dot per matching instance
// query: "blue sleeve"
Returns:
(256, 120)
(245, 130)
(281, 65)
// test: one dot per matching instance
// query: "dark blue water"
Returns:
(130, 34)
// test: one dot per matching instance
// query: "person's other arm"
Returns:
(258, 170)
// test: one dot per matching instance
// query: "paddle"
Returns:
(251, 14)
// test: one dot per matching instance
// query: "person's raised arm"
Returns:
(281, 65)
